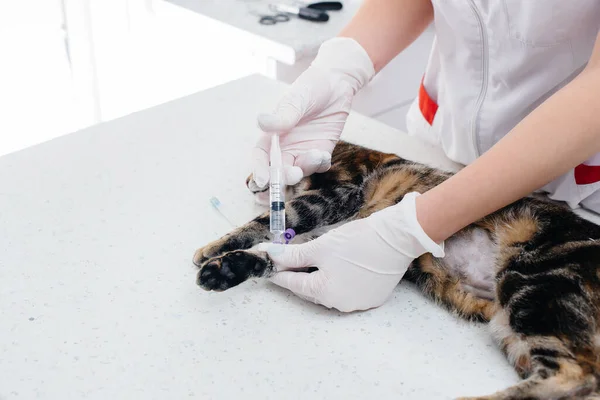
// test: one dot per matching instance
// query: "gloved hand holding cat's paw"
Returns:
(359, 263)
(311, 115)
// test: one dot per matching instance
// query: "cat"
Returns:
(531, 270)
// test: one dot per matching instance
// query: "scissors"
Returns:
(273, 19)
(315, 12)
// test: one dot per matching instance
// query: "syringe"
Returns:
(277, 192)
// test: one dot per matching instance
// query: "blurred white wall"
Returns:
(36, 93)
(67, 64)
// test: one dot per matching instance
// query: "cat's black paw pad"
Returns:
(229, 270)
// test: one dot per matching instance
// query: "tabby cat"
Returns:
(532, 269)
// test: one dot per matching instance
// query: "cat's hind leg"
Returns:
(547, 325)
(553, 368)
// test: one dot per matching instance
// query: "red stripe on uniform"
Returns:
(427, 106)
(586, 174)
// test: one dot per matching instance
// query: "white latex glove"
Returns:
(359, 263)
(311, 115)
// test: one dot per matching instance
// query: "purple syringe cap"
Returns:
(289, 235)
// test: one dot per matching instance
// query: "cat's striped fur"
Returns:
(544, 310)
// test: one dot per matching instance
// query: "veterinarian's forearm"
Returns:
(386, 27)
(560, 134)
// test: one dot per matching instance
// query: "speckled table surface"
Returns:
(97, 291)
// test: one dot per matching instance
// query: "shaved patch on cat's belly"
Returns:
(471, 256)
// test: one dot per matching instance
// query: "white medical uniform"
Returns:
(492, 63)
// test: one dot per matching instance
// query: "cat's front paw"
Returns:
(231, 269)
(214, 249)
(202, 255)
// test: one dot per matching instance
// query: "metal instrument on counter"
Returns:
(314, 12)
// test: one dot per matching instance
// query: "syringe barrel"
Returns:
(277, 202)
(277, 186)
